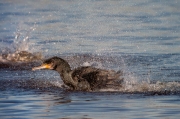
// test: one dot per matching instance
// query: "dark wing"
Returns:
(97, 78)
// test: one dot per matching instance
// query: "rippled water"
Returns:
(140, 38)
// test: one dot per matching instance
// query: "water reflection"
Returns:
(31, 103)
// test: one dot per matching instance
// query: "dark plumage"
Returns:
(82, 78)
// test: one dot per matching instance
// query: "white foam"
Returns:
(143, 87)
(57, 83)
(86, 64)
(93, 63)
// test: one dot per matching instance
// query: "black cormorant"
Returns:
(82, 78)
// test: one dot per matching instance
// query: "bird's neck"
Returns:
(67, 79)
(65, 74)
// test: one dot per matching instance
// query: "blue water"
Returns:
(140, 38)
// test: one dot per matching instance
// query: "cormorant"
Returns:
(82, 78)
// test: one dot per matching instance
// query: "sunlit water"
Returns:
(140, 38)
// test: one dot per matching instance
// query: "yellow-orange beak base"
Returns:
(43, 66)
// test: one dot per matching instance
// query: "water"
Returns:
(140, 38)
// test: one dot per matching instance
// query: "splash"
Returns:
(19, 50)
(21, 42)
(20, 56)
(134, 86)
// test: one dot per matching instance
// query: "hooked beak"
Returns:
(43, 66)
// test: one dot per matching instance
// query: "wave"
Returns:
(19, 60)
(158, 88)
(29, 84)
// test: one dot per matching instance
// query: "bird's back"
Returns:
(97, 78)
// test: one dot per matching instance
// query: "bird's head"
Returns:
(54, 63)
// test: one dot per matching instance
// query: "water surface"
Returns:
(140, 38)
